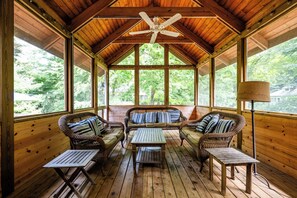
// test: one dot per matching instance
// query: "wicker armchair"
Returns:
(200, 141)
(114, 132)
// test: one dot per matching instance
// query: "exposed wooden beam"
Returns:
(121, 52)
(6, 97)
(180, 53)
(50, 41)
(133, 12)
(260, 41)
(115, 35)
(223, 15)
(196, 39)
(224, 59)
(161, 39)
(151, 67)
(88, 14)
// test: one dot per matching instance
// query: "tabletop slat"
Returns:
(149, 135)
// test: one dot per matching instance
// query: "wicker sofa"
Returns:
(112, 133)
(199, 140)
(129, 125)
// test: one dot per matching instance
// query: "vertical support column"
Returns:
(241, 76)
(69, 74)
(166, 74)
(107, 94)
(6, 97)
(136, 75)
(95, 85)
(196, 78)
(211, 82)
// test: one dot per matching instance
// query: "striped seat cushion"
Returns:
(151, 117)
(164, 117)
(138, 118)
(174, 115)
(201, 126)
(212, 123)
(224, 126)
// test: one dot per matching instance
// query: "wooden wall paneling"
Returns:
(212, 71)
(166, 74)
(6, 96)
(200, 111)
(136, 74)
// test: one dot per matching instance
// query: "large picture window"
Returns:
(82, 80)
(151, 54)
(203, 85)
(181, 87)
(39, 83)
(121, 87)
(151, 85)
(101, 87)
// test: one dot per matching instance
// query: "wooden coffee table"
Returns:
(148, 146)
(231, 157)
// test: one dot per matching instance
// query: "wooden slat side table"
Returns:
(145, 138)
(231, 157)
(72, 159)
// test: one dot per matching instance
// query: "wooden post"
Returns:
(166, 75)
(211, 82)
(6, 99)
(241, 76)
(196, 78)
(95, 85)
(69, 75)
(107, 95)
(136, 75)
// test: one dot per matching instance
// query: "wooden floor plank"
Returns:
(158, 187)
(126, 191)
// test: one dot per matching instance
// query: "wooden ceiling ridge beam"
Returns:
(133, 12)
(180, 53)
(231, 21)
(88, 14)
(260, 41)
(196, 39)
(120, 53)
(161, 39)
(115, 35)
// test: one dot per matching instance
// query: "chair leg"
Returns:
(181, 142)
(201, 166)
(122, 143)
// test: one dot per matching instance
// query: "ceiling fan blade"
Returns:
(154, 37)
(169, 33)
(173, 19)
(140, 32)
(147, 19)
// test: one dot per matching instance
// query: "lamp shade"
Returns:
(257, 91)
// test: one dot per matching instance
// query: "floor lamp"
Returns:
(254, 91)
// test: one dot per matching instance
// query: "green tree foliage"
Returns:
(173, 60)
(101, 90)
(151, 54)
(129, 60)
(151, 85)
(181, 87)
(203, 89)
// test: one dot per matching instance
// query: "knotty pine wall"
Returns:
(36, 142)
(276, 139)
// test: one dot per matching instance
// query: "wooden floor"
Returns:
(179, 178)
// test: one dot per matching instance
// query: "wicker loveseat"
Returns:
(200, 140)
(129, 124)
(111, 134)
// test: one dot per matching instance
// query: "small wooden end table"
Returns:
(145, 138)
(231, 157)
(72, 159)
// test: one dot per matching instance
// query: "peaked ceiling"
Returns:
(206, 25)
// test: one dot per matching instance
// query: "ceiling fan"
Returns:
(155, 27)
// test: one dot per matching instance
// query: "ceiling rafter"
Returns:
(120, 53)
(115, 35)
(223, 15)
(260, 41)
(88, 14)
(180, 53)
(161, 39)
(133, 12)
(196, 39)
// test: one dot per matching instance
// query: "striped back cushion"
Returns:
(138, 118)
(164, 117)
(224, 126)
(101, 128)
(151, 117)
(201, 126)
(174, 115)
(212, 123)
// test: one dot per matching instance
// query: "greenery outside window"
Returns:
(203, 85)
(173, 60)
(151, 54)
(151, 87)
(101, 87)
(82, 80)
(129, 60)
(181, 87)
(121, 87)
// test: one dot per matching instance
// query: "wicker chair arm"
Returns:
(115, 124)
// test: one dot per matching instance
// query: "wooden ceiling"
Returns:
(103, 25)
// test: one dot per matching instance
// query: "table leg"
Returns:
(249, 178)
(232, 172)
(163, 155)
(134, 157)
(223, 185)
(88, 176)
(210, 167)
